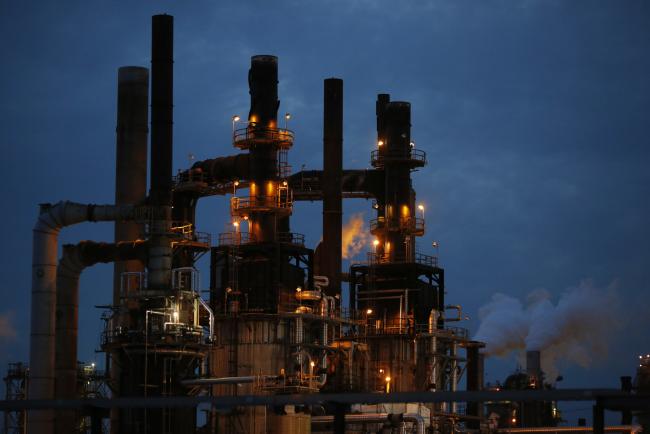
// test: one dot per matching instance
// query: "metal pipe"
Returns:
(74, 260)
(558, 429)
(458, 309)
(417, 419)
(226, 380)
(51, 220)
(330, 258)
(454, 373)
(364, 417)
(162, 107)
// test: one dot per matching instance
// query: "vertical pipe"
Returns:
(263, 162)
(474, 382)
(398, 178)
(130, 181)
(130, 158)
(454, 373)
(162, 106)
(332, 174)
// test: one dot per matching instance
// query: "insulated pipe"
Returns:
(221, 169)
(51, 220)
(330, 258)
(74, 260)
(417, 419)
(376, 418)
(162, 107)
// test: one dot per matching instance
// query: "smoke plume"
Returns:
(7, 330)
(355, 236)
(575, 329)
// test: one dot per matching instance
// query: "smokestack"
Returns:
(263, 89)
(162, 106)
(330, 258)
(475, 372)
(534, 366)
(130, 158)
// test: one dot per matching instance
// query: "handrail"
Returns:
(235, 238)
(379, 258)
(247, 202)
(244, 136)
(291, 238)
(379, 156)
(409, 224)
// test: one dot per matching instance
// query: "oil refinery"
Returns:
(283, 330)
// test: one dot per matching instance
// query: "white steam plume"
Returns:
(576, 329)
(7, 330)
(355, 236)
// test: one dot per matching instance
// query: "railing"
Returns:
(186, 232)
(291, 238)
(235, 238)
(244, 137)
(379, 156)
(419, 258)
(414, 225)
(246, 203)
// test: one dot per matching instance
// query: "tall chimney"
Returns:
(130, 157)
(330, 257)
(534, 366)
(162, 107)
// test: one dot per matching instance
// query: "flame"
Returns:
(355, 237)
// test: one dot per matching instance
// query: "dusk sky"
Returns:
(535, 116)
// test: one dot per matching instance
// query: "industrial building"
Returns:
(273, 322)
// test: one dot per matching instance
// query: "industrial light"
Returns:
(380, 143)
(298, 289)
(92, 364)
(387, 379)
(236, 118)
(421, 207)
(434, 244)
(312, 364)
(235, 224)
(236, 183)
(514, 420)
(245, 217)
(369, 312)
(375, 242)
(284, 183)
(381, 371)
(175, 315)
(287, 116)
(412, 144)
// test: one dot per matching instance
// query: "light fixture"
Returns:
(287, 116)
(175, 316)
(284, 183)
(235, 224)
(369, 312)
(387, 379)
(236, 183)
(380, 143)
(298, 289)
(236, 118)
(375, 242)
(421, 207)
(312, 364)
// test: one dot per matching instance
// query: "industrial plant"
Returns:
(282, 330)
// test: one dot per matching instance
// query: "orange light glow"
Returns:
(270, 188)
(253, 187)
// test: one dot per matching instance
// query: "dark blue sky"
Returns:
(535, 116)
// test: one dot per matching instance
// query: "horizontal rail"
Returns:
(608, 398)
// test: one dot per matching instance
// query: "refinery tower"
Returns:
(272, 322)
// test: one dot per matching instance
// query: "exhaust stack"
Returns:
(330, 256)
